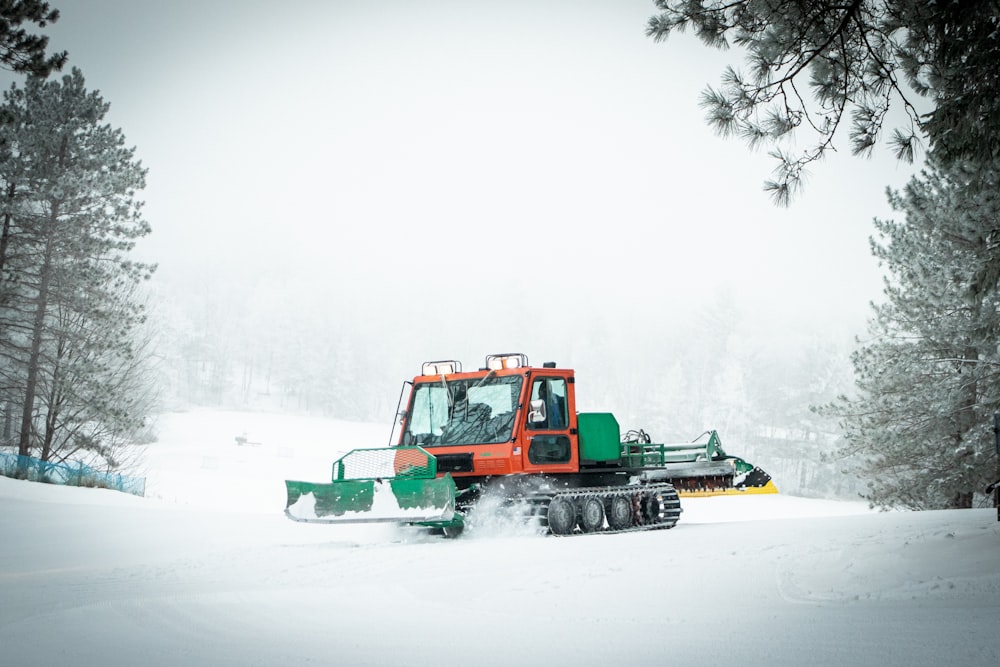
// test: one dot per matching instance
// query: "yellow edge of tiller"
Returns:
(732, 491)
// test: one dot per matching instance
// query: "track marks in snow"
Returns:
(930, 559)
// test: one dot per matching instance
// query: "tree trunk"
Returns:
(45, 276)
(996, 489)
(5, 235)
(34, 359)
(7, 407)
(48, 437)
(961, 501)
(967, 417)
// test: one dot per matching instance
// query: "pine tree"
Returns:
(69, 311)
(21, 51)
(928, 379)
(815, 66)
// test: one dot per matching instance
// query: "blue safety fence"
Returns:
(70, 474)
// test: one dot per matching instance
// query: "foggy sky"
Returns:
(465, 162)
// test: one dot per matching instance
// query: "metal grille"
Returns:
(385, 463)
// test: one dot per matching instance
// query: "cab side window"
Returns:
(551, 394)
(549, 448)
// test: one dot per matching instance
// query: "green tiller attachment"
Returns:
(396, 484)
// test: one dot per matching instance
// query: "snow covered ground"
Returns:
(207, 571)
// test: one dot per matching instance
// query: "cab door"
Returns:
(549, 428)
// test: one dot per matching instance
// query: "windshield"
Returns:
(463, 412)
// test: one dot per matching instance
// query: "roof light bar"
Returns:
(497, 362)
(441, 367)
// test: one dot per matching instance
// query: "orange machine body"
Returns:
(489, 422)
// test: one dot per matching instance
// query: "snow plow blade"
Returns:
(396, 485)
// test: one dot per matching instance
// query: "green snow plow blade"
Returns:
(396, 484)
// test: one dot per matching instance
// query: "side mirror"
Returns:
(537, 414)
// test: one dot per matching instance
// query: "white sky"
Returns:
(388, 147)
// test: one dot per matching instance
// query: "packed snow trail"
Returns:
(208, 571)
(98, 578)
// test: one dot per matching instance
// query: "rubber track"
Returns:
(670, 513)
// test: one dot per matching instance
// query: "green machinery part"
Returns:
(395, 484)
(697, 468)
